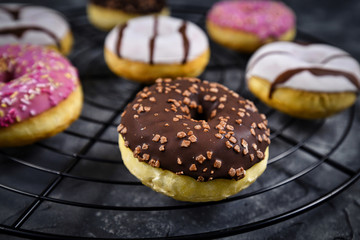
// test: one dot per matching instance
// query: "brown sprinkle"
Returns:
(185, 143)
(147, 109)
(209, 154)
(190, 133)
(156, 138)
(260, 138)
(237, 148)
(218, 135)
(240, 114)
(259, 154)
(232, 139)
(240, 172)
(245, 151)
(228, 144)
(145, 146)
(222, 99)
(137, 150)
(124, 130)
(205, 169)
(232, 172)
(197, 127)
(152, 99)
(200, 158)
(238, 121)
(186, 100)
(252, 157)
(252, 131)
(179, 173)
(136, 116)
(200, 179)
(213, 113)
(179, 161)
(207, 97)
(217, 164)
(120, 127)
(162, 148)
(181, 134)
(244, 143)
(163, 139)
(254, 146)
(193, 138)
(193, 168)
(229, 127)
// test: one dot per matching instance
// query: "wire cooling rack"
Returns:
(75, 186)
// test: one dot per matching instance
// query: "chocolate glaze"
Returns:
(152, 40)
(121, 34)
(332, 57)
(19, 31)
(154, 124)
(186, 42)
(254, 62)
(133, 6)
(285, 76)
(15, 13)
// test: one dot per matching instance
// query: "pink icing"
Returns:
(32, 80)
(263, 18)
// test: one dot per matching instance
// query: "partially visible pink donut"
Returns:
(40, 94)
(246, 25)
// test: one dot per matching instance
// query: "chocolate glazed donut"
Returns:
(197, 129)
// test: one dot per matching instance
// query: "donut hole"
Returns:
(205, 113)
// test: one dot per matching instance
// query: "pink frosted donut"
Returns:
(40, 94)
(258, 22)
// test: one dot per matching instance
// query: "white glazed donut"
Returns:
(158, 40)
(329, 74)
(35, 25)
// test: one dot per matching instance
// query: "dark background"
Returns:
(336, 22)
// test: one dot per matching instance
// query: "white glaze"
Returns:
(37, 16)
(304, 56)
(169, 47)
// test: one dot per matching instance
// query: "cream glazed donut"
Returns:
(40, 94)
(106, 14)
(246, 25)
(306, 81)
(37, 25)
(192, 140)
(149, 47)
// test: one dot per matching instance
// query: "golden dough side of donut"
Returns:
(106, 18)
(147, 73)
(66, 44)
(300, 103)
(242, 41)
(186, 188)
(44, 125)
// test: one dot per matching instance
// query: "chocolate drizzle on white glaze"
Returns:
(285, 76)
(186, 43)
(119, 40)
(15, 13)
(19, 31)
(199, 129)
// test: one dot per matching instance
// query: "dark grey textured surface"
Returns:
(338, 218)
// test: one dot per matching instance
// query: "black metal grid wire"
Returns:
(73, 158)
